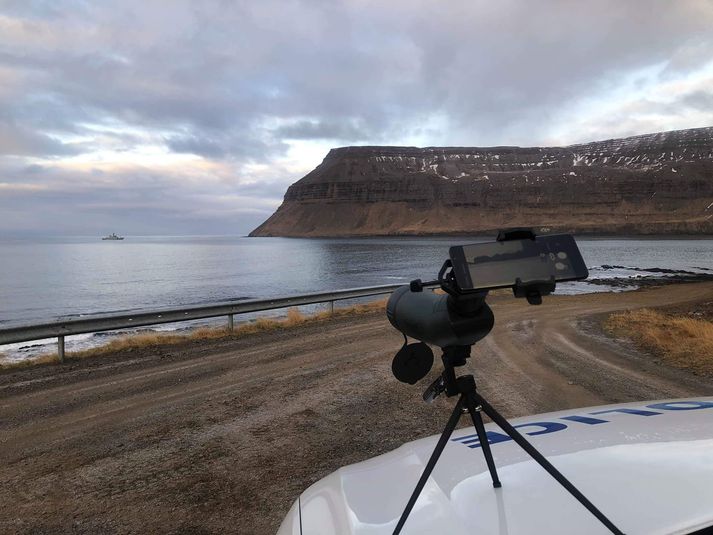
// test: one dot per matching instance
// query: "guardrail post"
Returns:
(231, 322)
(60, 348)
(331, 307)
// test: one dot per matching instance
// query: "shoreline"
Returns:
(490, 234)
(108, 341)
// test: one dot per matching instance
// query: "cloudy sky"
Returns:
(182, 117)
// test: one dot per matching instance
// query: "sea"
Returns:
(44, 280)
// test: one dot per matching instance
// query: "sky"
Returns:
(178, 117)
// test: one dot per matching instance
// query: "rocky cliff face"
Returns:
(651, 184)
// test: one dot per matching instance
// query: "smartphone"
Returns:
(485, 266)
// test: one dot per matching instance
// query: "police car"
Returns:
(647, 466)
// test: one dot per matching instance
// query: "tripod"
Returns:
(472, 402)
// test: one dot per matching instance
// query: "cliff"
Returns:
(650, 184)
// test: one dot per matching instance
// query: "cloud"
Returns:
(229, 144)
(334, 130)
(22, 141)
(701, 100)
(252, 89)
(196, 145)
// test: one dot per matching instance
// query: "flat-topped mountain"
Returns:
(650, 184)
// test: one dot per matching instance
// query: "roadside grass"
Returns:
(294, 318)
(678, 340)
(47, 358)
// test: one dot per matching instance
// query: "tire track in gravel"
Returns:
(162, 386)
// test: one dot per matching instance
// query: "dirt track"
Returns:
(223, 436)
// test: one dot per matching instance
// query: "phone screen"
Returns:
(498, 264)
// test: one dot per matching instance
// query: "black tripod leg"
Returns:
(483, 438)
(543, 462)
(447, 432)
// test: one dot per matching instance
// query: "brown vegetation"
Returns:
(683, 342)
(294, 318)
(6, 364)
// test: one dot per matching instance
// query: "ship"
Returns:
(113, 237)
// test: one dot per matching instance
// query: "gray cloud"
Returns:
(197, 145)
(223, 145)
(18, 140)
(701, 100)
(345, 130)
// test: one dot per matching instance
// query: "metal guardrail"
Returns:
(111, 322)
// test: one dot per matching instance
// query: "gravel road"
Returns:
(221, 436)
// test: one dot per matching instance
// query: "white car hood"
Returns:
(647, 466)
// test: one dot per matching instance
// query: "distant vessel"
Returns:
(113, 237)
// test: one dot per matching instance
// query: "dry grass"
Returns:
(680, 341)
(48, 358)
(132, 342)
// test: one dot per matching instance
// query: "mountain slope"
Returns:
(650, 184)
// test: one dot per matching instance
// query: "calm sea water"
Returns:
(50, 279)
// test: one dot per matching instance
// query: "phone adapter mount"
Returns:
(455, 321)
(533, 291)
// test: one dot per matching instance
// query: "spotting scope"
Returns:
(441, 320)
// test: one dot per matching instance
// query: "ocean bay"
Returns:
(51, 279)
